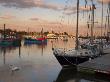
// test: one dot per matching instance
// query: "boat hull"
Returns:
(13, 42)
(5, 43)
(17, 42)
(34, 41)
(70, 60)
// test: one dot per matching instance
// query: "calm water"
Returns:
(38, 64)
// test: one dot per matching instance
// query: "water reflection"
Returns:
(38, 64)
(70, 75)
(39, 46)
(42, 47)
(6, 50)
(19, 51)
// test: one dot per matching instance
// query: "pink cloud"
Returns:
(7, 16)
(29, 4)
(39, 20)
(70, 11)
(104, 1)
(34, 19)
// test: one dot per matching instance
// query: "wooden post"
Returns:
(4, 33)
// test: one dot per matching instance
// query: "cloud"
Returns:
(38, 20)
(28, 4)
(55, 23)
(73, 10)
(34, 19)
(18, 3)
(104, 1)
(7, 16)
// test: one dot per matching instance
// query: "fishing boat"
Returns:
(31, 40)
(5, 42)
(10, 40)
(81, 53)
(36, 39)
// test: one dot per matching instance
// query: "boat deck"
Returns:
(100, 65)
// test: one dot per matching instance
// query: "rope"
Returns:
(69, 61)
(65, 58)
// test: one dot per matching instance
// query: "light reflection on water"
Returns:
(36, 62)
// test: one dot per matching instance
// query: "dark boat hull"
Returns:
(13, 42)
(70, 60)
(34, 41)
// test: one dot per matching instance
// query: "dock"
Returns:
(97, 65)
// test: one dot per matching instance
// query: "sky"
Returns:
(57, 15)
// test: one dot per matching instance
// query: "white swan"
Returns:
(14, 68)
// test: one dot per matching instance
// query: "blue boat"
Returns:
(35, 41)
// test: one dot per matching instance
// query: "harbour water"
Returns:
(37, 63)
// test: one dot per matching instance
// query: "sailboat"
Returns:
(106, 44)
(78, 55)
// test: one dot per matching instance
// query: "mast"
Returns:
(102, 21)
(42, 32)
(109, 16)
(92, 26)
(77, 25)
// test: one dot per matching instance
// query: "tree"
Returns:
(46, 33)
(65, 33)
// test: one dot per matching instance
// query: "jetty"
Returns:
(97, 65)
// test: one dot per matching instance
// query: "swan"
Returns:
(14, 68)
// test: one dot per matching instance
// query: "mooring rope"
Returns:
(69, 61)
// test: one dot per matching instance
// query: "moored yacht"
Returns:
(78, 55)
(74, 57)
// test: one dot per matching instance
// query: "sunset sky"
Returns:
(57, 15)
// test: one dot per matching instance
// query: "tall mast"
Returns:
(102, 29)
(92, 26)
(109, 16)
(77, 25)
(42, 32)
(102, 21)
